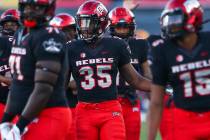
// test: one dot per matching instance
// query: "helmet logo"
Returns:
(56, 21)
(191, 4)
(99, 10)
(190, 27)
(51, 1)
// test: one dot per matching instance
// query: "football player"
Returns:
(167, 123)
(123, 25)
(67, 24)
(94, 61)
(182, 60)
(9, 21)
(38, 65)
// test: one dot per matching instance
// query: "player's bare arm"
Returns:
(155, 110)
(45, 78)
(146, 70)
(133, 78)
(5, 80)
(73, 86)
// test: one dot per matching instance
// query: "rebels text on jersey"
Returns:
(138, 49)
(5, 49)
(95, 68)
(187, 72)
(45, 43)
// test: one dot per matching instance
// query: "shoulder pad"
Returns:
(157, 42)
(117, 37)
(68, 42)
(52, 30)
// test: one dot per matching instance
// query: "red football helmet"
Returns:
(66, 23)
(38, 12)
(122, 17)
(91, 20)
(10, 15)
(180, 17)
(63, 20)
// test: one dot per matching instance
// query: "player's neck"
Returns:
(26, 30)
(189, 41)
(95, 43)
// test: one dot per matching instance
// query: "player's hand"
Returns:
(5, 129)
(14, 134)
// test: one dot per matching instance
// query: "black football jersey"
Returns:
(153, 41)
(138, 51)
(44, 43)
(5, 49)
(188, 72)
(94, 68)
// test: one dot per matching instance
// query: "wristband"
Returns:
(22, 123)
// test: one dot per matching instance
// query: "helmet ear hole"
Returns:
(88, 26)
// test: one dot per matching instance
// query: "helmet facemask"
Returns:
(70, 32)
(9, 21)
(122, 22)
(88, 27)
(122, 29)
(34, 14)
(173, 24)
(9, 27)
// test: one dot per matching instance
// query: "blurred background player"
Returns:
(94, 62)
(9, 21)
(122, 25)
(38, 65)
(167, 120)
(67, 24)
(182, 60)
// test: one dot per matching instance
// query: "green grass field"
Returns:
(144, 134)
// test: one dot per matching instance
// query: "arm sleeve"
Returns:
(159, 69)
(50, 47)
(125, 56)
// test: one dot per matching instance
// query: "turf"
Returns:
(144, 134)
